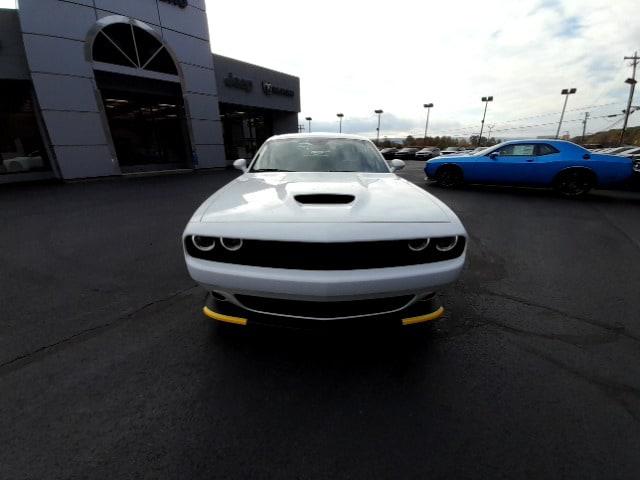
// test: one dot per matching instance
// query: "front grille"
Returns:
(299, 308)
(326, 256)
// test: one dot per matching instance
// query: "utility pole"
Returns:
(584, 125)
(632, 82)
(490, 127)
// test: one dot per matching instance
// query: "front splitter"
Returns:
(417, 313)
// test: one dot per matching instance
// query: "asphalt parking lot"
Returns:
(109, 370)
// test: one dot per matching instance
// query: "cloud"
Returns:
(355, 57)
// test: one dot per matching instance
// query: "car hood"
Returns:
(273, 197)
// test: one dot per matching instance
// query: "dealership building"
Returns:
(92, 88)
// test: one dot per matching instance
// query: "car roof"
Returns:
(318, 135)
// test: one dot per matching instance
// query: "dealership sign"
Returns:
(177, 3)
(270, 89)
(232, 81)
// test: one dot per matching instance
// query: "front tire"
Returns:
(574, 183)
(449, 176)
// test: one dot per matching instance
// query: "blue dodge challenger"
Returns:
(564, 166)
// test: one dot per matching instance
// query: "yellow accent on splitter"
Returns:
(223, 318)
(423, 318)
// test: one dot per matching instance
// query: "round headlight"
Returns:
(231, 244)
(418, 244)
(636, 166)
(445, 244)
(204, 244)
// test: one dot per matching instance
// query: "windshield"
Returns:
(319, 155)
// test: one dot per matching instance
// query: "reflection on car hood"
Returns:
(270, 197)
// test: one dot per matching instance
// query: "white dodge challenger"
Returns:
(319, 228)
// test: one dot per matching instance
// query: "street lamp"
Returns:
(486, 101)
(490, 127)
(308, 119)
(379, 112)
(426, 126)
(340, 115)
(566, 92)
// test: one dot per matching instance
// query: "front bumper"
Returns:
(329, 285)
(418, 311)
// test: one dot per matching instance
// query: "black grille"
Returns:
(326, 256)
(298, 308)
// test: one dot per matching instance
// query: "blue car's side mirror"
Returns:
(586, 156)
(493, 155)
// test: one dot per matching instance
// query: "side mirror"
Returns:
(240, 164)
(586, 156)
(396, 164)
(493, 155)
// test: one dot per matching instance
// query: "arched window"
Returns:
(131, 46)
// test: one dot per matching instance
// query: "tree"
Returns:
(409, 141)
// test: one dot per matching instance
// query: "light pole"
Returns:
(426, 125)
(340, 115)
(308, 119)
(584, 125)
(379, 112)
(486, 101)
(490, 127)
(566, 92)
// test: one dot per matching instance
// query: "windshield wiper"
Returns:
(270, 170)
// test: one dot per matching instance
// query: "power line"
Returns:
(472, 127)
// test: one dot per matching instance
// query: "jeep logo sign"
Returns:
(177, 3)
(232, 81)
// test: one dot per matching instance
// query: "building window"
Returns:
(21, 146)
(131, 46)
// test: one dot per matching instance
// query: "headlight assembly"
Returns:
(204, 244)
(445, 244)
(231, 244)
(418, 245)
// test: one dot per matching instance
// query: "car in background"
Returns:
(452, 151)
(388, 153)
(406, 153)
(32, 161)
(620, 150)
(427, 152)
(568, 168)
(634, 152)
(319, 228)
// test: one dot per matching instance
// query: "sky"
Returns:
(357, 56)
(354, 57)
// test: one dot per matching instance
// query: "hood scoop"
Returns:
(324, 199)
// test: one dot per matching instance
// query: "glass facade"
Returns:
(244, 129)
(21, 146)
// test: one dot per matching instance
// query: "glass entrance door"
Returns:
(147, 122)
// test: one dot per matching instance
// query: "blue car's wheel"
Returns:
(449, 176)
(575, 182)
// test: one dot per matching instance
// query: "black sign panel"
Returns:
(177, 3)
(270, 89)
